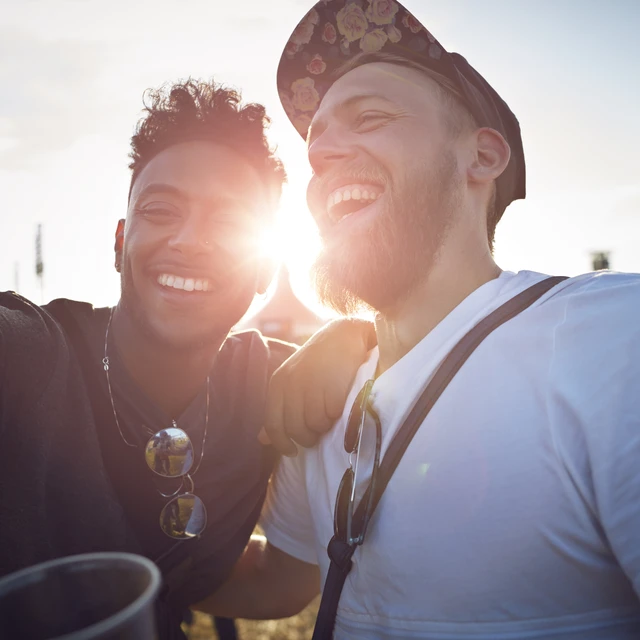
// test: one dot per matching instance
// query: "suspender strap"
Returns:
(340, 553)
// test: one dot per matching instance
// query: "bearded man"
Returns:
(489, 446)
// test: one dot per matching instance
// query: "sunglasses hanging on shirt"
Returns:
(362, 441)
(169, 453)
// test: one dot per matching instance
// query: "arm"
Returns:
(278, 578)
(266, 583)
(308, 392)
(603, 393)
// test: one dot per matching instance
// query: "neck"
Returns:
(171, 378)
(402, 326)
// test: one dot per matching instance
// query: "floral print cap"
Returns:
(334, 31)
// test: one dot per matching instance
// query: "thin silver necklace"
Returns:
(105, 364)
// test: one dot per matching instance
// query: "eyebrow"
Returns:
(320, 124)
(160, 187)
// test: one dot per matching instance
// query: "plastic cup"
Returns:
(105, 596)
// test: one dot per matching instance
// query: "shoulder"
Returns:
(592, 340)
(32, 342)
(602, 301)
(252, 346)
(244, 367)
(600, 287)
(28, 328)
(25, 325)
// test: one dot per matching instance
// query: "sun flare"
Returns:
(293, 239)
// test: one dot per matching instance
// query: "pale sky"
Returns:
(72, 73)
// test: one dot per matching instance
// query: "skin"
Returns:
(357, 131)
(198, 208)
(185, 217)
(359, 124)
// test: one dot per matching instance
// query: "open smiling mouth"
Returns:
(348, 199)
(179, 283)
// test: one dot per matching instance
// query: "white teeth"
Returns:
(352, 192)
(183, 284)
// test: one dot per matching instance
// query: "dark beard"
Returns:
(382, 265)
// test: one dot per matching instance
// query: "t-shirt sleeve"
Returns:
(615, 466)
(286, 516)
(601, 392)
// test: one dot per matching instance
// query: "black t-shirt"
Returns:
(71, 485)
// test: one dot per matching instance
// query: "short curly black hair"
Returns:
(205, 110)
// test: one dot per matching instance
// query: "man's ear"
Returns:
(267, 268)
(492, 155)
(119, 244)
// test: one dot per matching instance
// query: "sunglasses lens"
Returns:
(342, 505)
(183, 517)
(353, 427)
(355, 418)
(169, 453)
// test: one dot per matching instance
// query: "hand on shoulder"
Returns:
(308, 392)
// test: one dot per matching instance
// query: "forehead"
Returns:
(202, 170)
(395, 83)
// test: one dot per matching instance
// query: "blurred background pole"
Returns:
(16, 276)
(600, 260)
(39, 263)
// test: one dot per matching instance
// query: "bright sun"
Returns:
(293, 239)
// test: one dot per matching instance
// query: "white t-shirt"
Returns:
(515, 511)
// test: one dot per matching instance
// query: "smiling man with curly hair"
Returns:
(135, 428)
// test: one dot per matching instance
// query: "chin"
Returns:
(343, 284)
(183, 337)
(374, 273)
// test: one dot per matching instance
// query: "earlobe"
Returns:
(491, 157)
(266, 271)
(119, 244)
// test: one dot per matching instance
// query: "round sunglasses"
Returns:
(169, 453)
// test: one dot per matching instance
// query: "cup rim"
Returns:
(87, 633)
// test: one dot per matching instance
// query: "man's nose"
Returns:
(192, 237)
(327, 149)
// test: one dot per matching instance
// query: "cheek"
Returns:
(391, 152)
(140, 243)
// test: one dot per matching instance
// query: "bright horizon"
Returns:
(73, 74)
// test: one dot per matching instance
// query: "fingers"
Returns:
(274, 431)
(294, 417)
(316, 420)
(296, 413)
(336, 397)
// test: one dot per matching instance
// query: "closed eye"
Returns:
(158, 212)
(370, 120)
